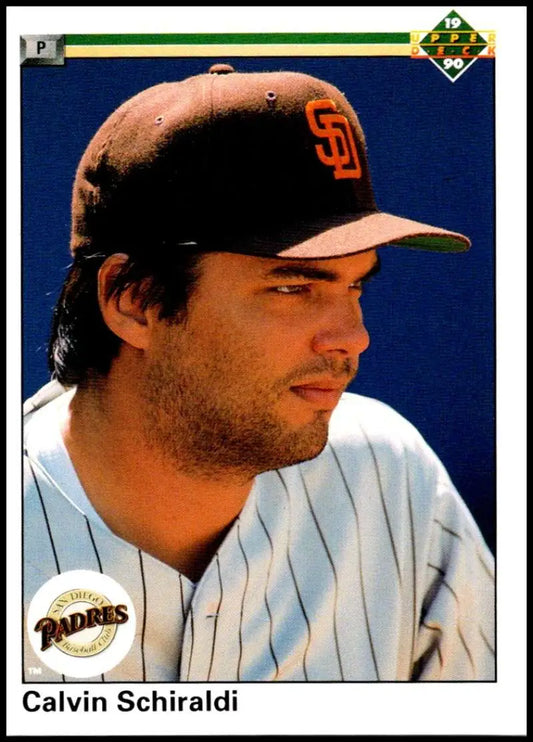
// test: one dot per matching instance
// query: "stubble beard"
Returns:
(209, 429)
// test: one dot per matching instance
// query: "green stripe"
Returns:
(236, 38)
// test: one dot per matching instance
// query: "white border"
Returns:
(294, 709)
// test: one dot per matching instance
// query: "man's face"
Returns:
(248, 381)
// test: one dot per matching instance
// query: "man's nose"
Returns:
(342, 330)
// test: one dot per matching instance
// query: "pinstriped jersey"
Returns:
(362, 564)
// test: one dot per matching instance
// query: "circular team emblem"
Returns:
(75, 616)
(81, 623)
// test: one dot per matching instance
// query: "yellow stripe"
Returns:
(239, 50)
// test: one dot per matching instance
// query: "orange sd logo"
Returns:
(326, 122)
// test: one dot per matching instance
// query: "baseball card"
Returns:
(265, 370)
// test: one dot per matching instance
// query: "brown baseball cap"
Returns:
(270, 164)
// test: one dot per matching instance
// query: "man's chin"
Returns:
(304, 445)
(308, 455)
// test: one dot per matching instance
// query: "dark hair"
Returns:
(80, 342)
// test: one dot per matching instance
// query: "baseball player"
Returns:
(196, 443)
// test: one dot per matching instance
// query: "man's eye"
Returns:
(291, 289)
(362, 284)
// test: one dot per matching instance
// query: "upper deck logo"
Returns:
(81, 623)
(453, 45)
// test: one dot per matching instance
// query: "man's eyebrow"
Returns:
(302, 269)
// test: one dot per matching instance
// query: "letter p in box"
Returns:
(42, 50)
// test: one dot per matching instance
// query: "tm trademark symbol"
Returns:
(35, 670)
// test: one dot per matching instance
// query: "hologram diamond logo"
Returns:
(453, 45)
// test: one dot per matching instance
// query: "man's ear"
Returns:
(123, 314)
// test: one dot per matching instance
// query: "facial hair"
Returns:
(216, 418)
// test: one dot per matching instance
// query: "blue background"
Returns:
(431, 152)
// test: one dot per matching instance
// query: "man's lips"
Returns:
(325, 394)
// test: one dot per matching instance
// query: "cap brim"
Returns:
(349, 235)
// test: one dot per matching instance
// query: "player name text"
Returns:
(128, 700)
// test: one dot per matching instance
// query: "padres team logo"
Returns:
(326, 122)
(81, 623)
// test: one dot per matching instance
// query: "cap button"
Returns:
(221, 69)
